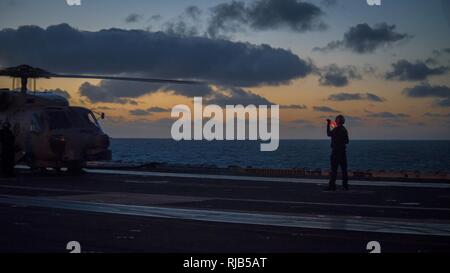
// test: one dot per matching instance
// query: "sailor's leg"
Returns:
(334, 162)
(344, 168)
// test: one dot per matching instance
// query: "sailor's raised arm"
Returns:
(328, 127)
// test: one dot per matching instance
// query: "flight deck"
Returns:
(164, 212)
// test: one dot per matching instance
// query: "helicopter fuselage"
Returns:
(50, 133)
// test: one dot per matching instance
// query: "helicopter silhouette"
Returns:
(49, 132)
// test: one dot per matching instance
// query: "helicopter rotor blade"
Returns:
(25, 72)
(149, 80)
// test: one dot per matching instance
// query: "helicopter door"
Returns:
(35, 136)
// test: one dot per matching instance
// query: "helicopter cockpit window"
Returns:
(93, 120)
(83, 118)
(77, 119)
(58, 120)
(36, 123)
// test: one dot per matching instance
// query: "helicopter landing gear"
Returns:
(75, 169)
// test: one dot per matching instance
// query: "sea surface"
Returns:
(311, 154)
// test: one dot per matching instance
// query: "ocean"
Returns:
(310, 154)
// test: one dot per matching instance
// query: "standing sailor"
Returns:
(339, 141)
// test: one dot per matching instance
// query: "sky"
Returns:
(386, 68)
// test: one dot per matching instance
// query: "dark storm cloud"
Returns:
(363, 38)
(404, 70)
(440, 92)
(356, 96)
(294, 15)
(336, 76)
(325, 109)
(64, 49)
(387, 115)
(133, 18)
(293, 107)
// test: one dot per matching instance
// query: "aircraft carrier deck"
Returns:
(176, 212)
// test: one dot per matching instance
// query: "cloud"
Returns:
(139, 112)
(404, 70)
(356, 96)
(149, 111)
(193, 12)
(64, 49)
(336, 76)
(133, 18)
(235, 96)
(197, 90)
(60, 92)
(301, 121)
(363, 38)
(442, 103)
(425, 90)
(436, 115)
(259, 15)
(293, 107)
(114, 91)
(354, 121)
(440, 52)
(329, 3)
(387, 115)
(105, 108)
(158, 110)
(325, 109)
(123, 91)
(431, 61)
(187, 24)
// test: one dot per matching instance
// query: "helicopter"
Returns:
(49, 132)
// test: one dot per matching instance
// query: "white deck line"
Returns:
(346, 223)
(269, 179)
